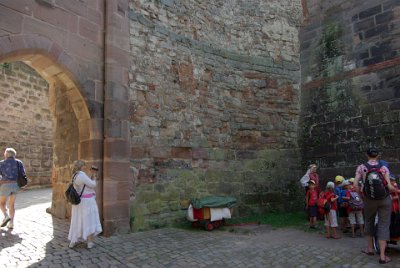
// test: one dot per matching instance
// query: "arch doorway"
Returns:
(73, 135)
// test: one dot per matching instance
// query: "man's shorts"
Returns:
(7, 189)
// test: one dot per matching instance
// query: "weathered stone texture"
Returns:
(26, 123)
(212, 85)
(350, 69)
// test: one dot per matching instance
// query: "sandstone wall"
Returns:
(214, 105)
(350, 91)
(26, 121)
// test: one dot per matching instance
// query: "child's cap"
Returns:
(330, 185)
(351, 180)
(339, 179)
(312, 182)
(345, 183)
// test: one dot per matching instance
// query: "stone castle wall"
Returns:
(214, 105)
(26, 121)
(350, 92)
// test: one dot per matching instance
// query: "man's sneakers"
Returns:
(5, 221)
(71, 245)
(10, 225)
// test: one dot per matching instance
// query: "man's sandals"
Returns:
(386, 260)
(371, 253)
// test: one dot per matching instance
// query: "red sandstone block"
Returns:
(116, 109)
(117, 55)
(83, 48)
(73, 24)
(116, 149)
(57, 17)
(115, 226)
(116, 190)
(116, 171)
(55, 50)
(91, 149)
(90, 30)
(115, 210)
(11, 20)
(160, 152)
(18, 42)
(94, 4)
(34, 26)
(75, 6)
(181, 152)
(95, 16)
(138, 152)
(199, 153)
(115, 73)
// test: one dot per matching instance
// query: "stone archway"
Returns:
(77, 133)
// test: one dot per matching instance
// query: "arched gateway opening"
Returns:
(76, 133)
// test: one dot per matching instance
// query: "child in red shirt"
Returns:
(311, 203)
(331, 218)
(354, 209)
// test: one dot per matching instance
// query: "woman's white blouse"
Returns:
(83, 179)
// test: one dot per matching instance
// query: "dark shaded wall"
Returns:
(350, 84)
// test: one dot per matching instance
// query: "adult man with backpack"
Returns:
(376, 181)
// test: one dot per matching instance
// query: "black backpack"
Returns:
(71, 194)
(374, 184)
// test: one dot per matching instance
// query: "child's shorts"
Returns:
(313, 211)
(330, 219)
(356, 217)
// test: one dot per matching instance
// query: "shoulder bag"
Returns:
(71, 194)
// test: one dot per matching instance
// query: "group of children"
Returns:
(341, 201)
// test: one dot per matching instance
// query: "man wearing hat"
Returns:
(372, 206)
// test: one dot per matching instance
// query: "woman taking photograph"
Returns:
(85, 221)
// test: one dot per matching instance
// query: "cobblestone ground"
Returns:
(38, 240)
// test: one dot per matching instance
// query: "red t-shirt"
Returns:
(312, 197)
(328, 196)
(314, 176)
(349, 196)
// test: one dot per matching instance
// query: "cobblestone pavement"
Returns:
(39, 240)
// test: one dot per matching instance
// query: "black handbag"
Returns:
(71, 194)
(22, 180)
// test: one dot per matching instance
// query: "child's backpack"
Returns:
(355, 201)
(375, 183)
(323, 205)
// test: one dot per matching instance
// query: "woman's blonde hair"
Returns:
(78, 164)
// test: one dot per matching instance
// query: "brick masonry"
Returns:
(350, 97)
(26, 122)
(213, 108)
